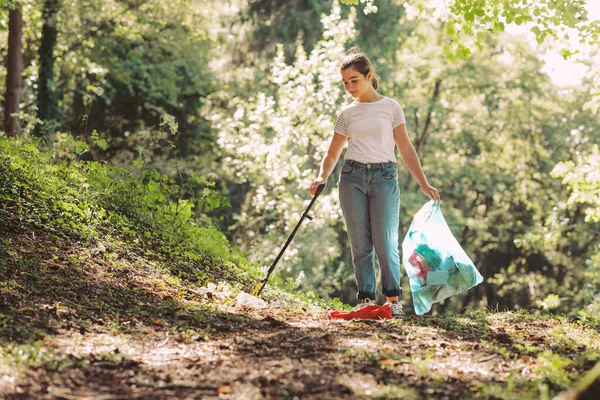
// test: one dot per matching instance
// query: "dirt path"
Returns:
(282, 354)
(75, 324)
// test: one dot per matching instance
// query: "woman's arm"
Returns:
(411, 159)
(331, 158)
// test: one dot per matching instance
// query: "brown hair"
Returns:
(360, 61)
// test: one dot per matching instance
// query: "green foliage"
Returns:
(551, 302)
(34, 356)
(55, 192)
(468, 22)
(101, 143)
(120, 65)
(41, 192)
(149, 59)
(369, 5)
(583, 180)
(556, 370)
(269, 22)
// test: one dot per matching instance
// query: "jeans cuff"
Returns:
(366, 295)
(392, 293)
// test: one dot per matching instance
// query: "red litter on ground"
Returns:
(367, 312)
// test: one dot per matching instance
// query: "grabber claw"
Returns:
(258, 288)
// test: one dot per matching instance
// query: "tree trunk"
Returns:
(46, 99)
(587, 389)
(14, 68)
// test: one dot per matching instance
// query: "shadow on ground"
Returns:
(75, 323)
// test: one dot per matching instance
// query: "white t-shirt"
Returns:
(370, 129)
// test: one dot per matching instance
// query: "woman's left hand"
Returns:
(431, 192)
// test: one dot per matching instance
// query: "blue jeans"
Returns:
(370, 201)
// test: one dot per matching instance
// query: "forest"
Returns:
(157, 149)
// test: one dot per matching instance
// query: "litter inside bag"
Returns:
(436, 265)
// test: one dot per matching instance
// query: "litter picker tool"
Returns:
(261, 284)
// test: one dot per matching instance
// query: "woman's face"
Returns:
(355, 83)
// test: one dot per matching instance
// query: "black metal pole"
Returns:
(263, 282)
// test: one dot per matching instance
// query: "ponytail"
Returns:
(375, 81)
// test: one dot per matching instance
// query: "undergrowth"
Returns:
(53, 192)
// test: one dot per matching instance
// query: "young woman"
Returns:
(368, 185)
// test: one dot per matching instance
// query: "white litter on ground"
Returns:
(244, 299)
(222, 290)
(280, 303)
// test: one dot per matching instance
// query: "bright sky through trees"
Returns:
(562, 72)
(569, 72)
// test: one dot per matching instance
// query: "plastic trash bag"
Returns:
(436, 265)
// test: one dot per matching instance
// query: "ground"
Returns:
(80, 321)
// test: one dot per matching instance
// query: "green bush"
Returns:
(54, 191)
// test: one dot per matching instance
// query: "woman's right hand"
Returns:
(315, 185)
(431, 192)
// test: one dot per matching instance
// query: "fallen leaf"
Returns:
(488, 358)
(224, 389)
(243, 340)
(25, 310)
(388, 361)
(536, 339)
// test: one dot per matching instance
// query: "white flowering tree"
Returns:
(273, 144)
